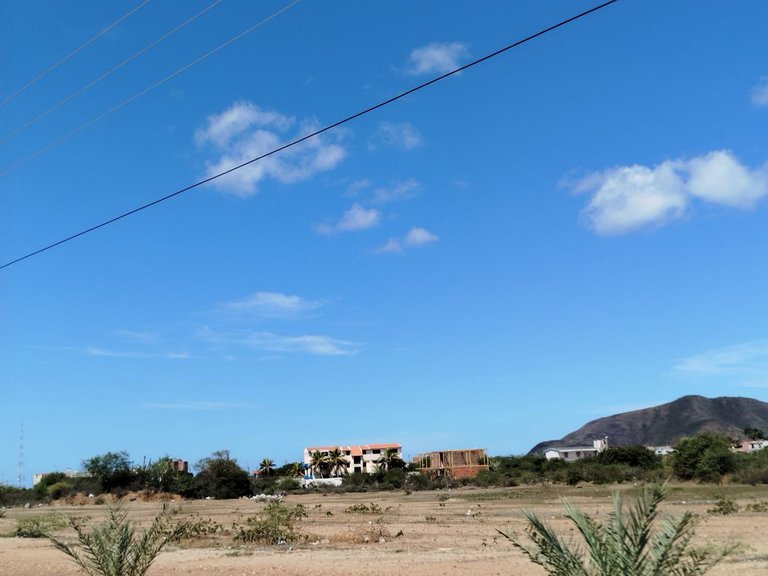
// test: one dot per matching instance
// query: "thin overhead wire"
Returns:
(316, 132)
(108, 73)
(69, 56)
(138, 95)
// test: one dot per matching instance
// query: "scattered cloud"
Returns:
(415, 238)
(270, 305)
(401, 135)
(355, 219)
(437, 58)
(398, 191)
(316, 344)
(760, 92)
(244, 131)
(199, 406)
(356, 187)
(628, 198)
(94, 351)
(135, 336)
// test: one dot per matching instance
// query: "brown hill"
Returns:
(665, 424)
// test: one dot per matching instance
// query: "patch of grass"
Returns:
(39, 526)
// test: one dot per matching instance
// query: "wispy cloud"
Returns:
(244, 131)
(199, 406)
(355, 219)
(95, 351)
(629, 198)
(398, 191)
(760, 92)
(745, 358)
(260, 340)
(402, 135)
(437, 58)
(416, 237)
(269, 305)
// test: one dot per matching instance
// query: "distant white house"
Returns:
(360, 458)
(574, 453)
(752, 445)
(661, 450)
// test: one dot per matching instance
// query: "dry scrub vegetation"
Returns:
(424, 533)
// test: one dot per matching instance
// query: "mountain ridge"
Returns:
(666, 423)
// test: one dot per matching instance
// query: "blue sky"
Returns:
(574, 228)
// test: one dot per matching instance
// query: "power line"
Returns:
(108, 73)
(138, 95)
(53, 67)
(317, 132)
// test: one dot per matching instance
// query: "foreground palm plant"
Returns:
(115, 549)
(627, 544)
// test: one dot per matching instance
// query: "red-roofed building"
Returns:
(360, 458)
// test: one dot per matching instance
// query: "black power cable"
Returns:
(315, 133)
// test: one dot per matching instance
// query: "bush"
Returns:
(704, 457)
(724, 506)
(275, 525)
(38, 526)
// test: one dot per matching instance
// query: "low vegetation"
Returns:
(275, 525)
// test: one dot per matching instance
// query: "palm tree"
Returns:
(390, 457)
(338, 462)
(627, 543)
(318, 461)
(296, 469)
(266, 467)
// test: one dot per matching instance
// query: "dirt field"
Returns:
(442, 533)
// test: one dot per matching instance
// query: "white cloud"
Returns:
(718, 177)
(398, 191)
(415, 238)
(308, 343)
(270, 305)
(437, 58)
(355, 219)
(760, 92)
(628, 198)
(244, 131)
(401, 135)
(631, 197)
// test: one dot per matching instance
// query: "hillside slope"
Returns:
(665, 424)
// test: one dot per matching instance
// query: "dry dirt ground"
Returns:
(439, 534)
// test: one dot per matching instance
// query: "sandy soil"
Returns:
(443, 533)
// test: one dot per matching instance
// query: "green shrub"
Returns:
(38, 526)
(724, 506)
(364, 509)
(275, 525)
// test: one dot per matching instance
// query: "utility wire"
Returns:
(138, 95)
(53, 67)
(317, 132)
(108, 73)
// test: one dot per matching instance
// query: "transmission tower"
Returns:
(21, 456)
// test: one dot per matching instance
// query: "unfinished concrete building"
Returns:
(453, 463)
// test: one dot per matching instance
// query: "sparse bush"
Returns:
(761, 506)
(199, 527)
(38, 526)
(276, 524)
(364, 509)
(115, 549)
(724, 506)
(627, 543)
